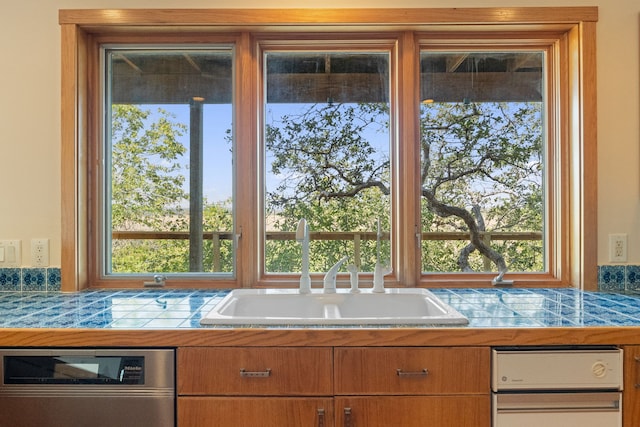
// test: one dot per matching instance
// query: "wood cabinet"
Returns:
(255, 371)
(407, 387)
(631, 393)
(255, 386)
(326, 387)
(255, 412)
(412, 370)
(413, 411)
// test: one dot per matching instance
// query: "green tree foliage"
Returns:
(331, 174)
(147, 194)
(481, 172)
(146, 186)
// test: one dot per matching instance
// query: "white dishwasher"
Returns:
(557, 387)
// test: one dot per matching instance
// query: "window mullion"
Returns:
(245, 160)
(406, 196)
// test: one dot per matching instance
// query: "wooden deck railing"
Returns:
(356, 236)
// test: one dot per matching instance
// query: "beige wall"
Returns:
(30, 112)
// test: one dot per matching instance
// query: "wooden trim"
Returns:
(417, 16)
(319, 337)
(246, 160)
(631, 393)
(68, 169)
(73, 165)
(407, 138)
(587, 254)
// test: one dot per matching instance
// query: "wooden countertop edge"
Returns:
(318, 337)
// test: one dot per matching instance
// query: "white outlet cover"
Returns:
(39, 252)
(617, 247)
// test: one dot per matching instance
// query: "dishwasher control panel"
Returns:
(129, 368)
(73, 369)
(556, 369)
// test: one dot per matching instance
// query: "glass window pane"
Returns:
(168, 174)
(482, 142)
(327, 145)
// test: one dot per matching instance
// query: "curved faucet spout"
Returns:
(302, 236)
(330, 277)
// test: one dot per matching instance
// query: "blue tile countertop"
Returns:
(182, 309)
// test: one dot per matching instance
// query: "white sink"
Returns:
(413, 306)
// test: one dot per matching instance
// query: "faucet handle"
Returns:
(330, 277)
(353, 270)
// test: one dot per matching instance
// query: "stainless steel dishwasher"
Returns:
(87, 387)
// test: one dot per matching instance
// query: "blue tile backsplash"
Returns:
(611, 278)
(619, 278)
(30, 279)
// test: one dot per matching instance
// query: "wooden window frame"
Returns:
(574, 259)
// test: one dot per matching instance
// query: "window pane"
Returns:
(482, 142)
(326, 157)
(168, 174)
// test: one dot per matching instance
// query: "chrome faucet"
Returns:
(302, 236)
(330, 277)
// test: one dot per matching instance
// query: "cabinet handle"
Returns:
(347, 417)
(637, 383)
(255, 374)
(320, 417)
(422, 373)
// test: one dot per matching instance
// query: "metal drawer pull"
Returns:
(260, 374)
(320, 417)
(347, 417)
(422, 373)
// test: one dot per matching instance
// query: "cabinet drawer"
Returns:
(255, 371)
(413, 411)
(412, 370)
(255, 411)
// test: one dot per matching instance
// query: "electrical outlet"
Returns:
(11, 251)
(618, 247)
(39, 252)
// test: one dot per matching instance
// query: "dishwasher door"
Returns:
(92, 388)
(565, 409)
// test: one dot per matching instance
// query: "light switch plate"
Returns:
(12, 253)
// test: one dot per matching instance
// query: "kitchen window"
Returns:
(167, 193)
(327, 140)
(484, 144)
(305, 119)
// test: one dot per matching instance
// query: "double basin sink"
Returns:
(402, 306)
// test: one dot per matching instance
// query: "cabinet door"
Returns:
(411, 371)
(631, 394)
(413, 411)
(255, 371)
(255, 412)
